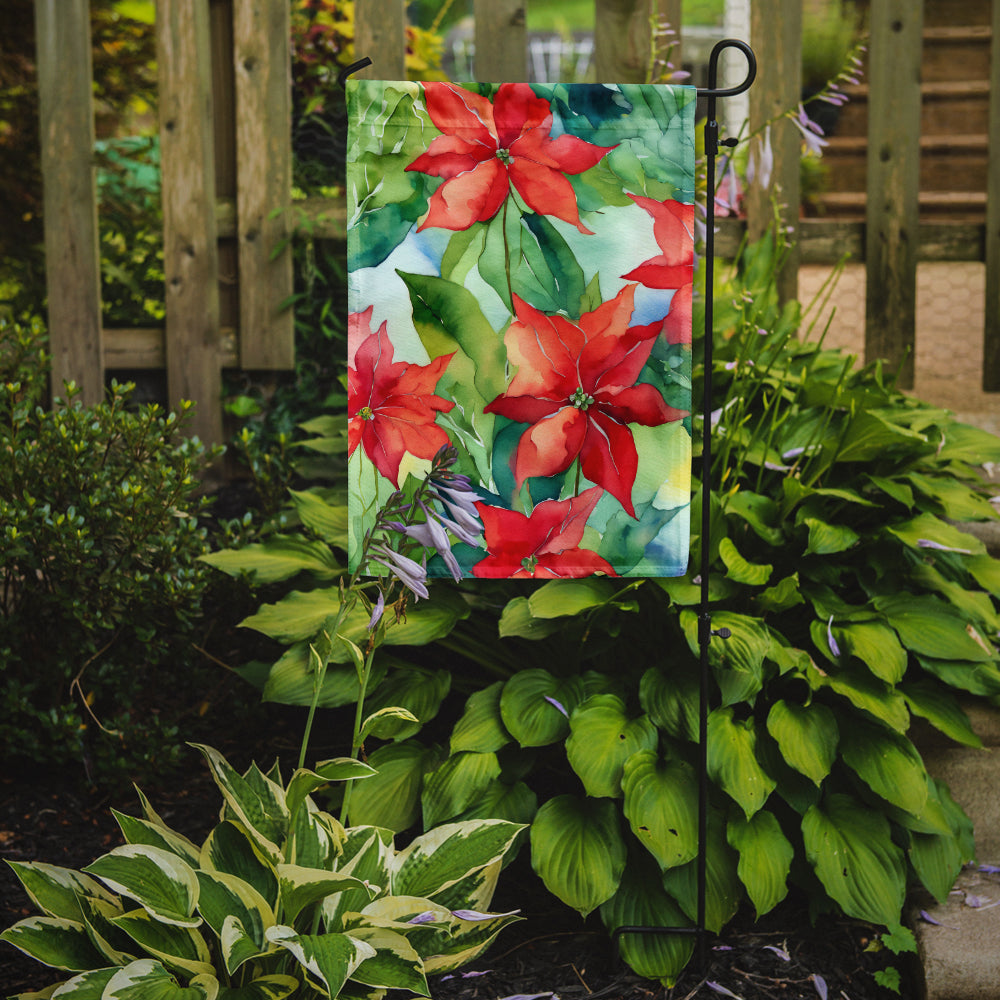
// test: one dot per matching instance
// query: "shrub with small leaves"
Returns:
(99, 575)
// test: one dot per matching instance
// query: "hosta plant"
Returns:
(279, 900)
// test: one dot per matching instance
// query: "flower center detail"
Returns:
(581, 399)
(528, 564)
(503, 155)
(366, 413)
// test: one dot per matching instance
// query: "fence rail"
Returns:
(226, 162)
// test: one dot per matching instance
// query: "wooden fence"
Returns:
(226, 161)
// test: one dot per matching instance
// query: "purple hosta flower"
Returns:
(812, 134)
(927, 918)
(408, 571)
(780, 952)
(834, 648)
(377, 611)
(465, 975)
(760, 166)
(530, 996)
(927, 543)
(990, 869)
(459, 500)
(558, 705)
(728, 195)
(719, 988)
(432, 534)
(820, 984)
(427, 917)
(475, 915)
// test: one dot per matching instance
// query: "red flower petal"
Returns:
(637, 404)
(518, 111)
(677, 325)
(457, 109)
(673, 228)
(546, 191)
(609, 457)
(474, 196)
(549, 446)
(658, 273)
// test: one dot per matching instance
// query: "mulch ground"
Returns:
(551, 952)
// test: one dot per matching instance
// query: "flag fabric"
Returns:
(520, 264)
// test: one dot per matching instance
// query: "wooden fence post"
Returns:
(621, 40)
(991, 332)
(776, 35)
(893, 183)
(72, 256)
(261, 57)
(501, 41)
(380, 34)
(190, 251)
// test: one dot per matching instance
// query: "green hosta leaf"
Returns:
(528, 711)
(395, 964)
(760, 512)
(732, 760)
(738, 661)
(517, 620)
(578, 851)
(876, 646)
(226, 898)
(751, 574)
(807, 736)
(865, 692)
(438, 859)
(330, 959)
(927, 528)
(387, 722)
(456, 784)
(481, 728)
(975, 605)
(986, 572)
(976, 678)
(54, 941)
(828, 539)
(418, 690)
(260, 809)
(86, 986)
(888, 763)
(56, 891)
(937, 858)
(661, 798)
(931, 628)
(850, 847)
(391, 798)
(274, 987)
(957, 501)
(559, 598)
(641, 901)
(671, 700)
(723, 889)
(602, 738)
(765, 858)
(783, 595)
(292, 680)
(279, 558)
(180, 948)
(941, 709)
(327, 520)
(163, 884)
(516, 803)
(147, 979)
(230, 849)
(870, 436)
(301, 887)
(142, 831)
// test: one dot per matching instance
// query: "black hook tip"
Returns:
(353, 68)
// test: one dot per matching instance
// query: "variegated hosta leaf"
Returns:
(441, 857)
(367, 853)
(116, 947)
(149, 980)
(141, 831)
(300, 887)
(177, 947)
(395, 964)
(304, 782)
(230, 849)
(315, 838)
(732, 760)
(475, 891)
(457, 784)
(602, 737)
(661, 799)
(256, 801)
(328, 959)
(807, 736)
(535, 706)
(56, 891)
(224, 898)
(578, 851)
(850, 847)
(86, 986)
(765, 858)
(55, 941)
(642, 902)
(481, 727)
(275, 987)
(467, 941)
(158, 880)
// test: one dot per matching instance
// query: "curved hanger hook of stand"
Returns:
(349, 70)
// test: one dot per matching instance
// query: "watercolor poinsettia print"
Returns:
(487, 147)
(391, 405)
(576, 385)
(531, 249)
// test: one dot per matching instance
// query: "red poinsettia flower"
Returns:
(487, 147)
(391, 406)
(673, 230)
(576, 386)
(544, 545)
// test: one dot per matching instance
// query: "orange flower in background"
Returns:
(673, 230)
(576, 386)
(391, 405)
(544, 545)
(487, 147)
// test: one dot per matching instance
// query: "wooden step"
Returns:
(946, 107)
(956, 53)
(958, 206)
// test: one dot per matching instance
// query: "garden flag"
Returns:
(520, 276)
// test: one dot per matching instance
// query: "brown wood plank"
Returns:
(991, 332)
(621, 40)
(776, 34)
(380, 34)
(72, 257)
(190, 253)
(262, 62)
(893, 184)
(144, 348)
(501, 41)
